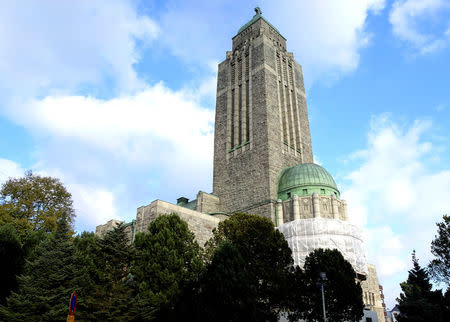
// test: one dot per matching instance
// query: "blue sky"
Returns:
(117, 99)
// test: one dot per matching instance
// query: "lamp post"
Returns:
(322, 281)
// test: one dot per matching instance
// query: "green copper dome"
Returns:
(305, 179)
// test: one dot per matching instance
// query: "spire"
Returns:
(256, 17)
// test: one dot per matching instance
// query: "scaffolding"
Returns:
(306, 235)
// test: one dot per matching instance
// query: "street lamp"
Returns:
(322, 281)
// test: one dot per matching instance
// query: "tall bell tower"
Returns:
(262, 122)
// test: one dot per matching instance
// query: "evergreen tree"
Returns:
(343, 295)
(47, 282)
(225, 291)
(298, 299)
(167, 265)
(440, 248)
(267, 257)
(88, 253)
(106, 292)
(417, 302)
(11, 259)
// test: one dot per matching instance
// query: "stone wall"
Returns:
(200, 224)
(208, 203)
(311, 207)
(371, 293)
(101, 230)
(260, 91)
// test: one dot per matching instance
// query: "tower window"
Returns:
(322, 191)
(289, 194)
(305, 191)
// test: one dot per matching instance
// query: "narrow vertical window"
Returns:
(232, 118)
(289, 112)
(247, 111)
(240, 115)
(283, 113)
(295, 110)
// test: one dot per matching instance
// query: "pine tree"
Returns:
(225, 291)
(107, 295)
(440, 248)
(47, 282)
(11, 257)
(343, 295)
(167, 264)
(267, 257)
(87, 247)
(417, 302)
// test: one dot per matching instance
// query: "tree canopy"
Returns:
(417, 301)
(47, 281)
(35, 203)
(225, 291)
(343, 295)
(167, 263)
(267, 259)
(11, 259)
(440, 248)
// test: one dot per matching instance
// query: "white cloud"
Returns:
(410, 19)
(397, 195)
(326, 36)
(93, 206)
(156, 143)
(68, 45)
(9, 169)
(131, 127)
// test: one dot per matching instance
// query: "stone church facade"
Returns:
(263, 160)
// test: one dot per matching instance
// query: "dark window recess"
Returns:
(240, 116)
(232, 118)
(289, 194)
(305, 191)
(322, 191)
(247, 112)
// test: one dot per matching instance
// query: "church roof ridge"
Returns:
(258, 15)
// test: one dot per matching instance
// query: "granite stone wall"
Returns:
(260, 78)
(371, 293)
(313, 206)
(199, 223)
(208, 203)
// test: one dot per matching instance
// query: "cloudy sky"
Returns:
(116, 98)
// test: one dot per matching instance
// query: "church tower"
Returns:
(262, 122)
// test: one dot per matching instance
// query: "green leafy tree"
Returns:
(298, 300)
(440, 248)
(417, 302)
(343, 295)
(225, 291)
(267, 257)
(106, 273)
(167, 264)
(35, 203)
(12, 258)
(47, 282)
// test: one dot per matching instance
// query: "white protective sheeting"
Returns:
(306, 235)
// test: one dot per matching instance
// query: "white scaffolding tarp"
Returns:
(306, 235)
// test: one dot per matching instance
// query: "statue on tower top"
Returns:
(258, 11)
